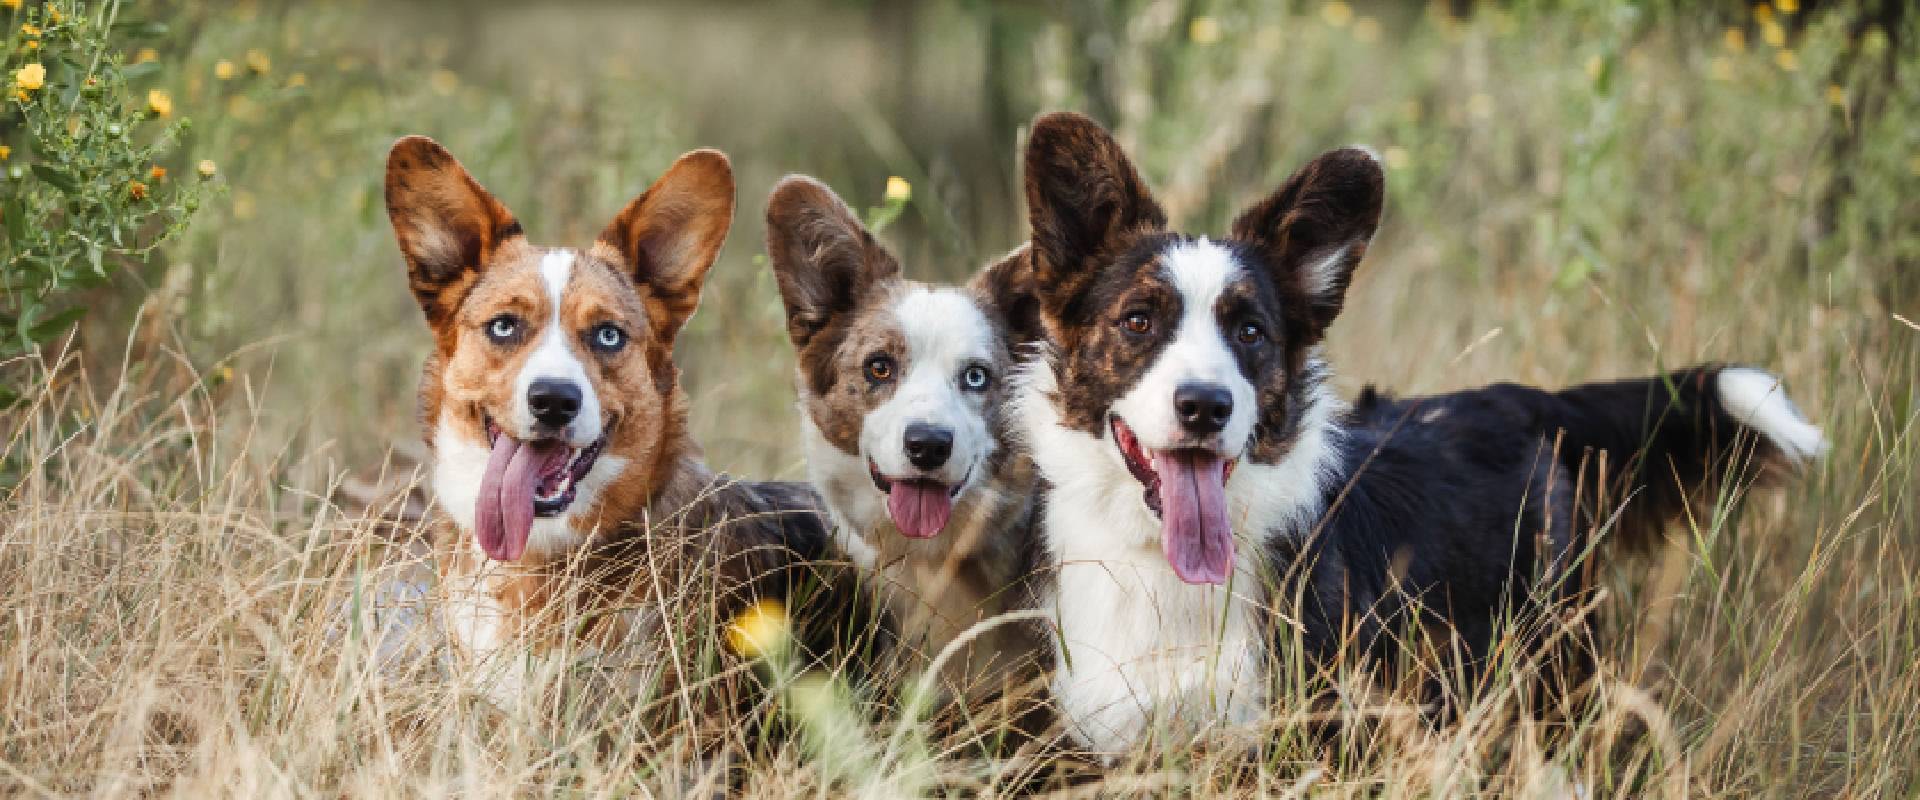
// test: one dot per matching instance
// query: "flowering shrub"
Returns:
(84, 190)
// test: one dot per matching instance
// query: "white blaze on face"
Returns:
(945, 333)
(1196, 352)
(555, 358)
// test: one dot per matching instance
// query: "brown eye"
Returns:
(1250, 334)
(880, 368)
(1137, 323)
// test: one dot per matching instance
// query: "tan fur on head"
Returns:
(470, 266)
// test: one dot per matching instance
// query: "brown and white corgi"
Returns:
(1209, 501)
(903, 393)
(572, 498)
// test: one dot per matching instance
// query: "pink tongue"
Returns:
(1193, 515)
(919, 508)
(503, 514)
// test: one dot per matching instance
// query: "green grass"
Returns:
(1579, 192)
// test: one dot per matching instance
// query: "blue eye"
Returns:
(609, 337)
(975, 378)
(503, 328)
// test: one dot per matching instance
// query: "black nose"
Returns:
(1203, 408)
(554, 403)
(928, 445)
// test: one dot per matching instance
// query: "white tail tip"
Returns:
(1756, 399)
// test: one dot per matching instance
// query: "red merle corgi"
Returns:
(1201, 480)
(903, 390)
(573, 500)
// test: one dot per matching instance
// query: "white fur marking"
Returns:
(553, 358)
(1757, 400)
(944, 332)
(1198, 353)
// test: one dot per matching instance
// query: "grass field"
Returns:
(1587, 191)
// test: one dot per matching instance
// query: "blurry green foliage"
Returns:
(85, 190)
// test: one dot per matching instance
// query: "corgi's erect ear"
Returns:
(1084, 201)
(823, 258)
(1008, 287)
(670, 235)
(1313, 231)
(448, 226)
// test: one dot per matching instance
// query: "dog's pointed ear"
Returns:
(1313, 231)
(1084, 200)
(1008, 287)
(447, 225)
(823, 258)
(669, 236)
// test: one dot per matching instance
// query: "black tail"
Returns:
(1651, 449)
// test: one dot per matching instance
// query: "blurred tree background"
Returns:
(1583, 178)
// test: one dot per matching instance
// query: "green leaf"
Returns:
(55, 325)
(16, 213)
(55, 178)
(140, 70)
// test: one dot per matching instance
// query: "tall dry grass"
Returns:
(1587, 191)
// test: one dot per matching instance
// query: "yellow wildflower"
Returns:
(296, 80)
(224, 70)
(53, 15)
(760, 630)
(1735, 39)
(259, 62)
(1204, 30)
(1787, 60)
(137, 190)
(1763, 13)
(146, 55)
(1836, 95)
(899, 189)
(1337, 14)
(33, 44)
(160, 103)
(11, 5)
(1720, 68)
(1787, 6)
(1772, 33)
(157, 174)
(30, 77)
(5, 152)
(1397, 158)
(30, 29)
(207, 168)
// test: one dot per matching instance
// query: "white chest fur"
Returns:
(1143, 650)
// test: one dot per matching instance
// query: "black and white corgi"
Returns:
(1199, 474)
(903, 389)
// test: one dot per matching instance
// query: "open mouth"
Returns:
(1186, 488)
(524, 480)
(919, 507)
